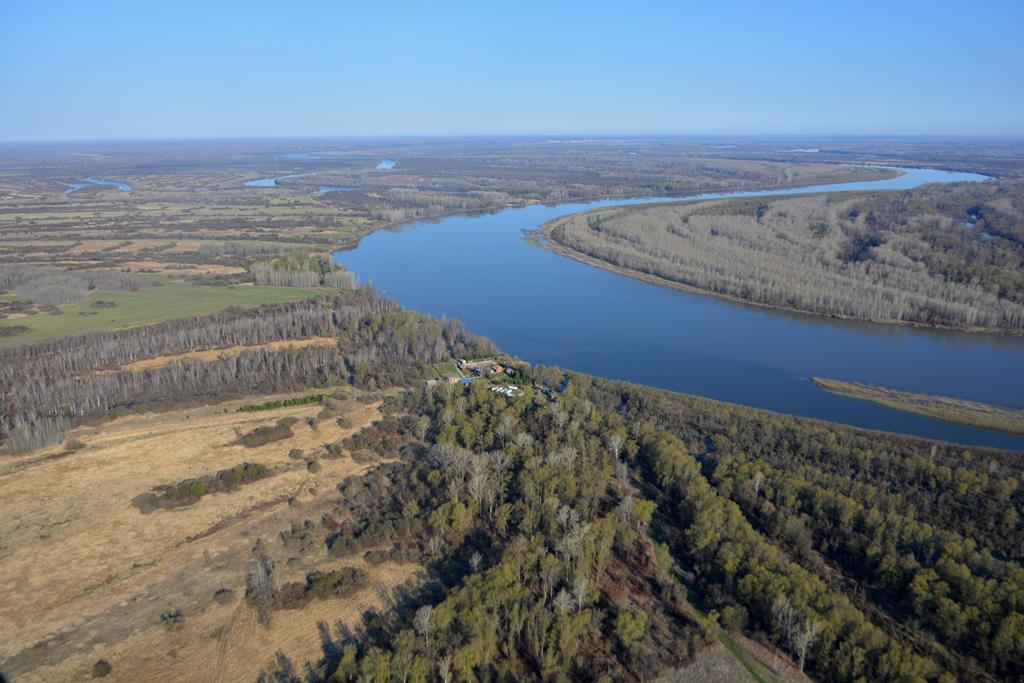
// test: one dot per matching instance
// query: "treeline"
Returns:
(243, 249)
(45, 386)
(903, 257)
(284, 403)
(300, 270)
(64, 357)
(402, 204)
(50, 286)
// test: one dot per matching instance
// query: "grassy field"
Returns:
(975, 413)
(84, 571)
(150, 305)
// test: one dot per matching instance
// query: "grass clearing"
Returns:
(749, 656)
(85, 572)
(214, 354)
(147, 306)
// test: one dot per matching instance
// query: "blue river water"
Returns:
(550, 309)
(74, 187)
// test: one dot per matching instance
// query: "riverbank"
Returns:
(541, 238)
(948, 408)
(825, 254)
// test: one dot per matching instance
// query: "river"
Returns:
(552, 310)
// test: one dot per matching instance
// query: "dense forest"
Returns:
(558, 532)
(47, 386)
(938, 255)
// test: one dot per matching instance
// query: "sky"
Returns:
(108, 69)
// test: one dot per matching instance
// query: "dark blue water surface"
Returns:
(553, 310)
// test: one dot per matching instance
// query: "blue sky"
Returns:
(113, 70)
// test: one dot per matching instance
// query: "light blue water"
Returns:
(553, 310)
(74, 187)
(334, 188)
(386, 164)
(272, 182)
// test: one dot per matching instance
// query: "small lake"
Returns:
(74, 187)
(550, 309)
(385, 164)
(272, 182)
(324, 189)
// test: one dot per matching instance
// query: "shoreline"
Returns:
(568, 252)
(948, 408)
(589, 199)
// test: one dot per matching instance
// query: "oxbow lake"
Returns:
(552, 310)
(74, 187)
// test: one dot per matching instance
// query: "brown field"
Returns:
(84, 575)
(214, 354)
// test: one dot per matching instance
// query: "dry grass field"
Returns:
(214, 354)
(84, 575)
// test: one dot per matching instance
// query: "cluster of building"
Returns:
(509, 391)
(487, 366)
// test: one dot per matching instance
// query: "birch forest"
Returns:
(950, 257)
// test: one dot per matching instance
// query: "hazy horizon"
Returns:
(258, 70)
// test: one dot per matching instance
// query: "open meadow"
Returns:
(86, 575)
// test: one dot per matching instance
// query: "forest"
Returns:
(936, 255)
(558, 534)
(47, 386)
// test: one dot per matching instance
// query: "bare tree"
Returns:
(803, 637)
(421, 622)
(579, 590)
(444, 668)
(615, 441)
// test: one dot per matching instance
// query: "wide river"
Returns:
(550, 309)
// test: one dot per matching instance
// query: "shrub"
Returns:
(363, 456)
(101, 668)
(264, 435)
(12, 330)
(191, 490)
(286, 403)
(172, 619)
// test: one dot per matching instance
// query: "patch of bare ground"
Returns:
(84, 575)
(719, 665)
(180, 268)
(716, 665)
(214, 354)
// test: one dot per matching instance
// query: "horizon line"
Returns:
(522, 135)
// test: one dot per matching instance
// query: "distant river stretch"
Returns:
(553, 310)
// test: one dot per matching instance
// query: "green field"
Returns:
(150, 305)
